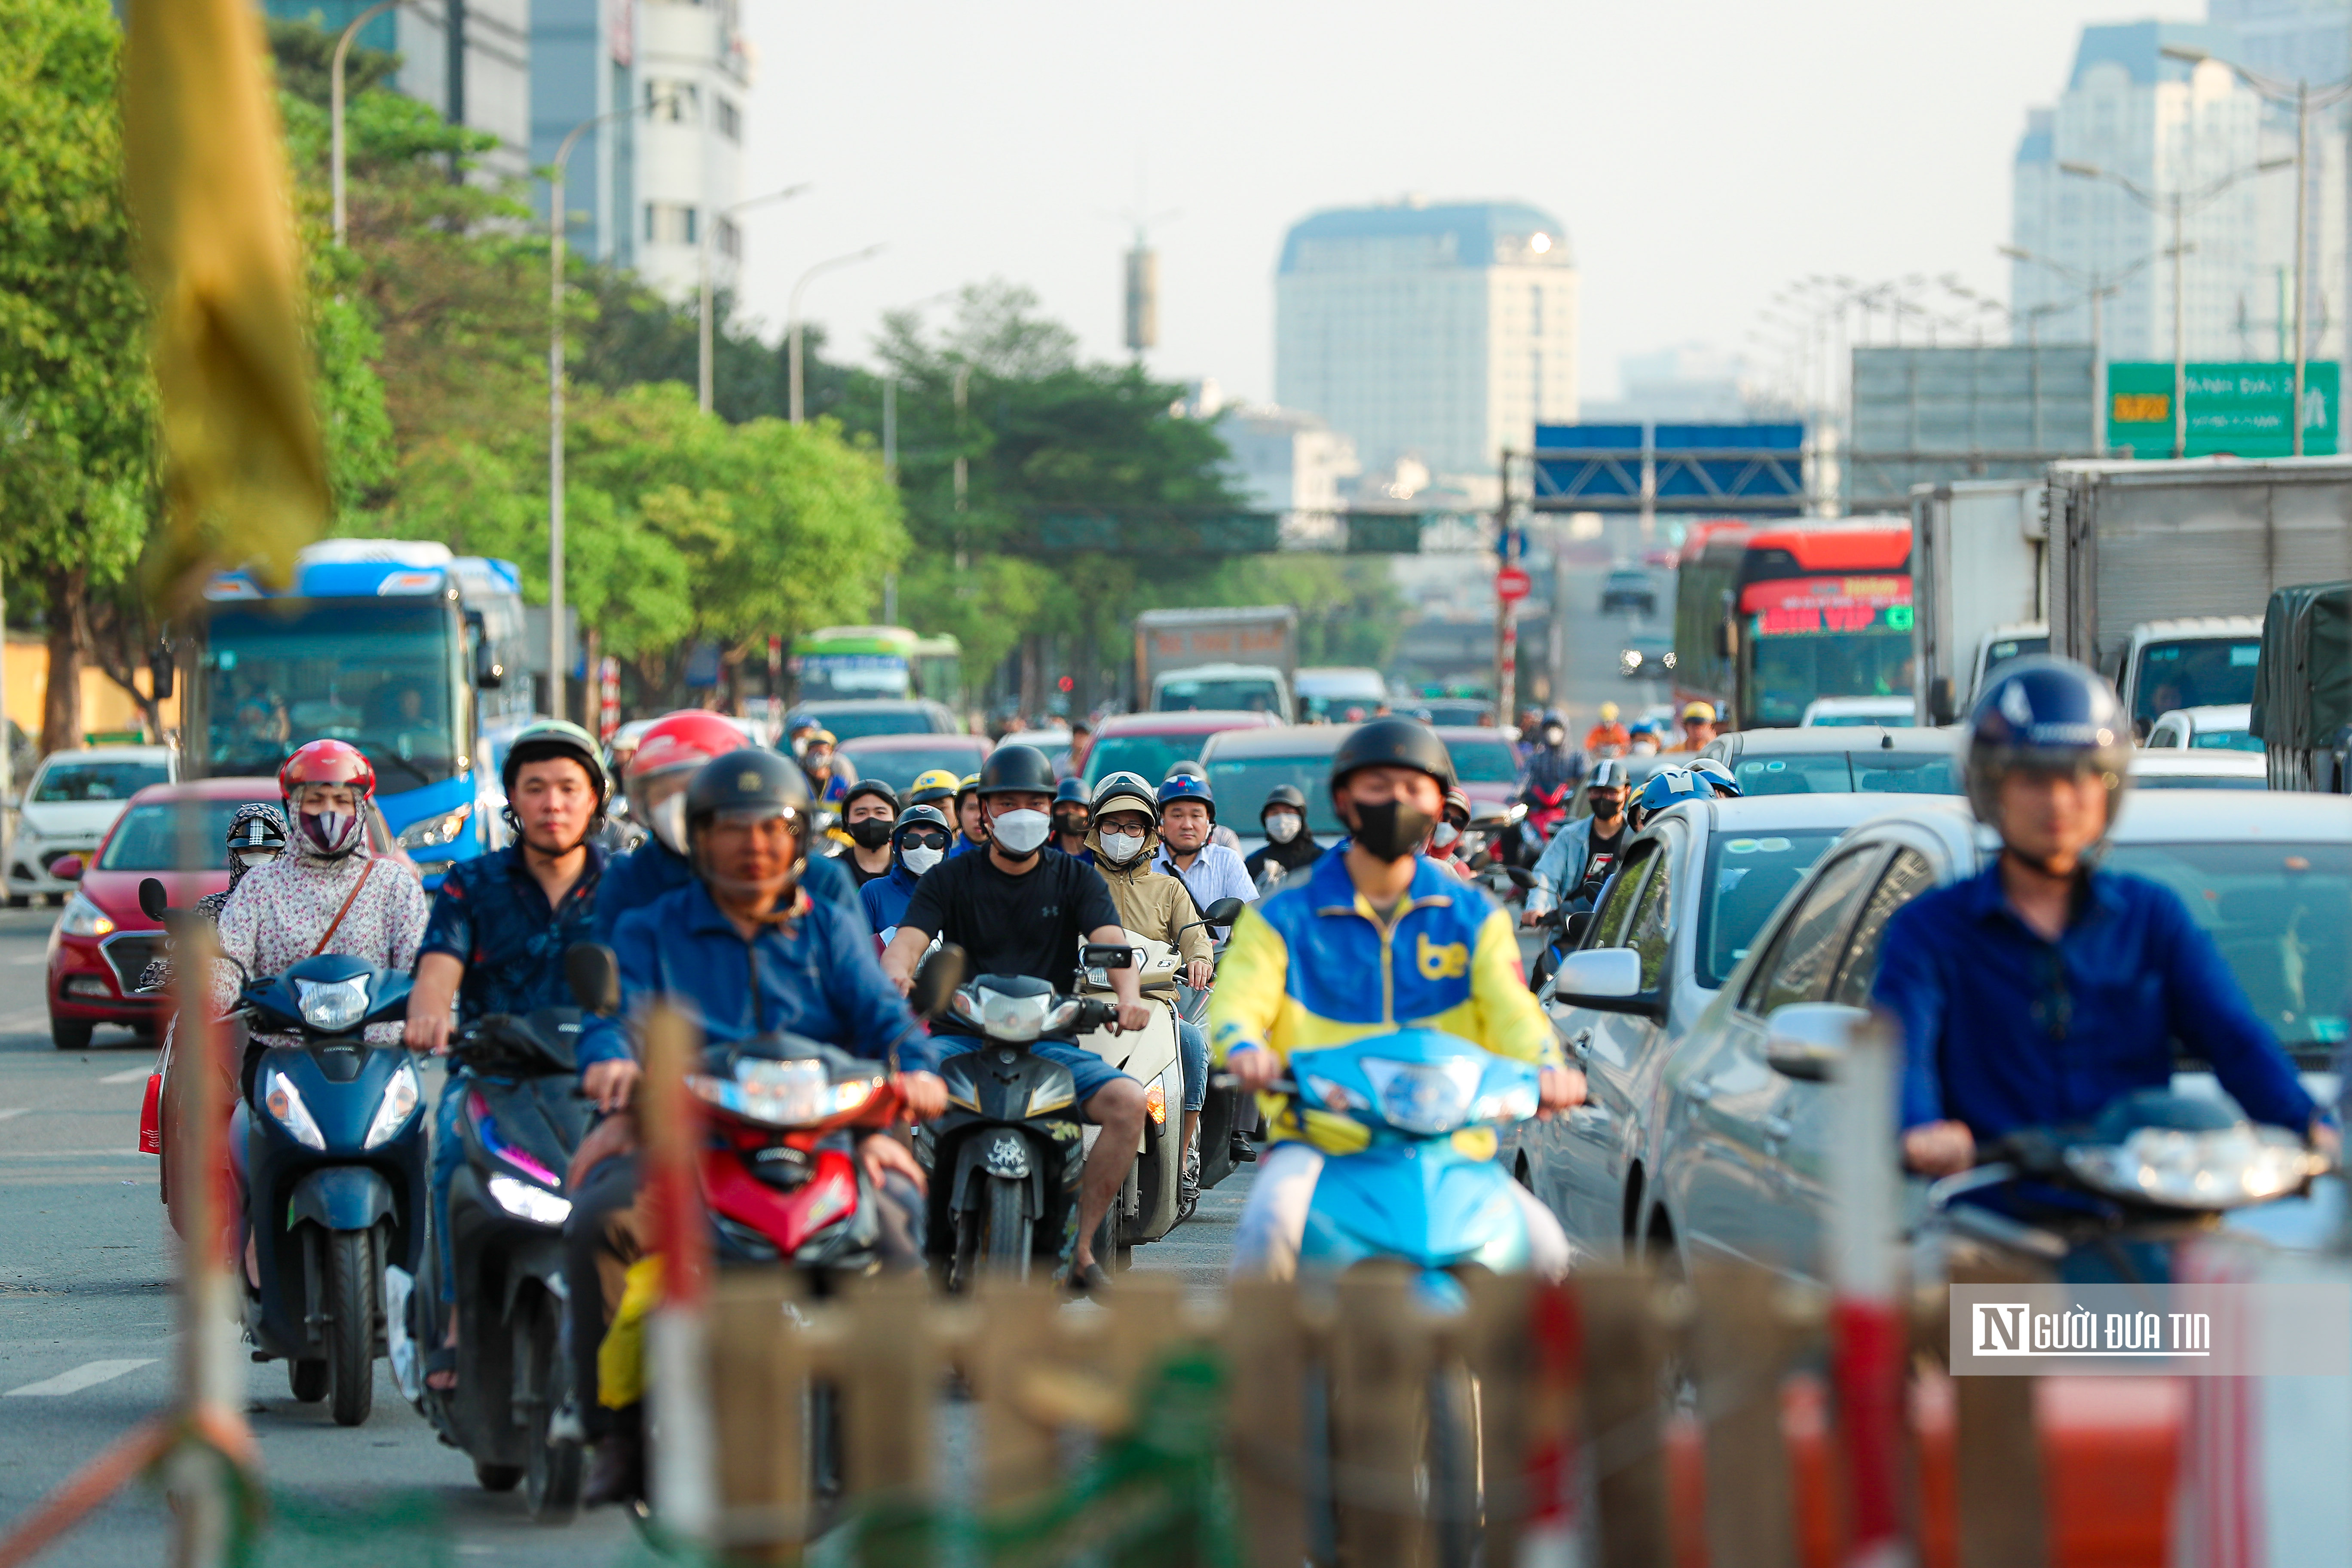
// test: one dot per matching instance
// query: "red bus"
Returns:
(1819, 609)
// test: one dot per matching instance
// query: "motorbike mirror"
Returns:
(1488, 818)
(936, 980)
(1111, 955)
(595, 976)
(1519, 875)
(153, 901)
(1807, 1040)
(1224, 911)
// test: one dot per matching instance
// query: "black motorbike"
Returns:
(519, 1123)
(1225, 1111)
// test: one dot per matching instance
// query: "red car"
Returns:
(1151, 743)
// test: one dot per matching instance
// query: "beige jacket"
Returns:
(1153, 903)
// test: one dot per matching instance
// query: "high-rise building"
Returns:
(692, 73)
(469, 59)
(581, 52)
(1438, 335)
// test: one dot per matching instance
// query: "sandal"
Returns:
(1089, 1281)
(441, 1362)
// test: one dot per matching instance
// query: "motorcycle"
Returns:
(521, 1119)
(1546, 812)
(1224, 1112)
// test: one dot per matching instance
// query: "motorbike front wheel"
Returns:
(551, 1474)
(1004, 1232)
(351, 1310)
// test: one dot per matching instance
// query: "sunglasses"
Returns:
(931, 840)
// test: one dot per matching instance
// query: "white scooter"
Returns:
(1146, 1209)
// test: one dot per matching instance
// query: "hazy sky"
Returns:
(1700, 156)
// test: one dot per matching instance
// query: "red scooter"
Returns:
(1546, 811)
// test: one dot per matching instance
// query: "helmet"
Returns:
(547, 738)
(916, 816)
(1071, 791)
(1458, 799)
(1189, 765)
(931, 786)
(820, 737)
(1187, 786)
(874, 787)
(1607, 773)
(1719, 778)
(965, 785)
(681, 742)
(1667, 786)
(256, 826)
(1392, 743)
(2049, 714)
(1608, 712)
(1704, 711)
(1283, 794)
(754, 782)
(1126, 786)
(1016, 769)
(327, 761)
(1554, 716)
(1643, 727)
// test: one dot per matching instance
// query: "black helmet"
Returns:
(1187, 765)
(874, 787)
(1283, 794)
(1392, 743)
(1016, 769)
(916, 816)
(2048, 714)
(754, 782)
(1071, 791)
(1554, 716)
(545, 738)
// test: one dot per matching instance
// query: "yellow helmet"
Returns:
(1608, 712)
(931, 786)
(1703, 711)
(971, 783)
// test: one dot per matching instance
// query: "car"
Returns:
(1851, 712)
(2200, 770)
(1450, 713)
(1867, 758)
(1339, 695)
(1646, 656)
(1053, 741)
(68, 806)
(899, 759)
(1245, 765)
(1628, 588)
(2224, 727)
(102, 942)
(1743, 857)
(1741, 1153)
(1252, 688)
(847, 719)
(1486, 763)
(1150, 743)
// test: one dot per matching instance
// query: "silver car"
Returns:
(1742, 1150)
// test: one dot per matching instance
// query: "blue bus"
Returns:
(408, 651)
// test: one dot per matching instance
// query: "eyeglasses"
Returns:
(932, 841)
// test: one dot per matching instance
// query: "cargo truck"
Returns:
(1978, 587)
(2159, 572)
(2303, 688)
(1245, 659)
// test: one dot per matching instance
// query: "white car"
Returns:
(2200, 770)
(2224, 727)
(73, 799)
(1842, 712)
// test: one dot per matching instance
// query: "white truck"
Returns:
(1980, 587)
(2160, 571)
(1245, 659)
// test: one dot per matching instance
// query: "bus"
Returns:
(1781, 615)
(834, 663)
(1707, 584)
(408, 651)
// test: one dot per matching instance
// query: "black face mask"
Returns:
(870, 832)
(1070, 823)
(1393, 829)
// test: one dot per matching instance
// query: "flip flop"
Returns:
(440, 1361)
(1089, 1281)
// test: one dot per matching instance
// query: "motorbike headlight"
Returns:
(1516, 1103)
(285, 1103)
(524, 1201)
(2223, 1168)
(1427, 1098)
(850, 1093)
(1015, 1018)
(83, 918)
(331, 1006)
(433, 832)
(777, 1094)
(1059, 1018)
(1330, 1096)
(400, 1097)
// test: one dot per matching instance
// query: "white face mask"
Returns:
(918, 861)
(1021, 833)
(249, 859)
(1446, 834)
(1121, 847)
(670, 822)
(1282, 826)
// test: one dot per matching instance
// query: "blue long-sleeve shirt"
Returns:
(2003, 1029)
(815, 975)
(653, 869)
(885, 898)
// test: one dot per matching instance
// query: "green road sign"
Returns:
(2240, 409)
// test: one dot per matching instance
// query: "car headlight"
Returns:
(331, 1006)
(285, 1103)
(1667, 658)
(1427, 1098)
(1630, 658)
(435, 831)
(400, 1097)
(524, 1201)
(2225, 1168)
(83, 918)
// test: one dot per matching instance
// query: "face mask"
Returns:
(330, 831)
(870, 832)
(1554, 736)
(918, 861)
(1021, 834)
(1282, 826)
(1393, 829)
(1070, 823)
(669, 822)
(1121, 847)
(1446, 833)
(249, 859)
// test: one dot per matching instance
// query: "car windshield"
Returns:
(2199, 781)
(1746, 878)
(1241, 784)
(1849, 772)
(1791, 668)
(898, 766)
(113, 780)
(147, 838)
(1855, 720)
(1247, 694)
(2199, 672)
(1148, 756)
(2282, 916)
(2007, 648)
(2225, 741)
(380, 673)
(852, 722)
(1457, 713)
(1484, 762)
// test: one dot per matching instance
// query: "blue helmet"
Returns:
(1667, 786)
(1187, 786)
(1071, 791)
(2051, 715)
(1719, 778)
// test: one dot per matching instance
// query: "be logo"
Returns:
(1451, 962)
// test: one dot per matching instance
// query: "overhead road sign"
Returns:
(2240, 409)
(1746, 470)
(1937, 415)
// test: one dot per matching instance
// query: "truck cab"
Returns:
(2195, 661)
(2019, 639)
(1238, 688)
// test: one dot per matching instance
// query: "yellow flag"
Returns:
(245, 472)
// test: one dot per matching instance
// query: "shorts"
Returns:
(1091, 1071)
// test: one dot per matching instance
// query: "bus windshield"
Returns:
(380, 673)
(1791, 669)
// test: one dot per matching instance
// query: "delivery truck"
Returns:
(1242, 659)
(1980, 588)
(2303, 688)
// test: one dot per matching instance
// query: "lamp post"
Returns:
(2177, 202)
(2299, 93)
(335, 106)
(709, 233)
(792, 317)
(2098, 286)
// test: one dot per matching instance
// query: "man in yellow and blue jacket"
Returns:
(1378, 939)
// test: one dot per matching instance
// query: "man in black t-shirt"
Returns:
(1016, 910)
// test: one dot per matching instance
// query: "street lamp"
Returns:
(335, 106)
(2179, 201)
(2098, 287)
(792, 316)
(709, 231)
(2298, 93)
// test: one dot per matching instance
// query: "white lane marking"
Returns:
(130, 1075)
(30, 958)
(14, 1022)
(14, 1110)
(81, 1377)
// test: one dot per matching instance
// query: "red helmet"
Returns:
(682, 740)
(326, 761)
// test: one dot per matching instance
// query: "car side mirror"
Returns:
(1106, 955)
(1224, 911)
(1807, 1040)
(937, 978)
(154, 902)
(594, 974)
(160, 671)
(1608, 980)
(67, 868)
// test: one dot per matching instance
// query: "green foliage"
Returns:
(305, 52)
